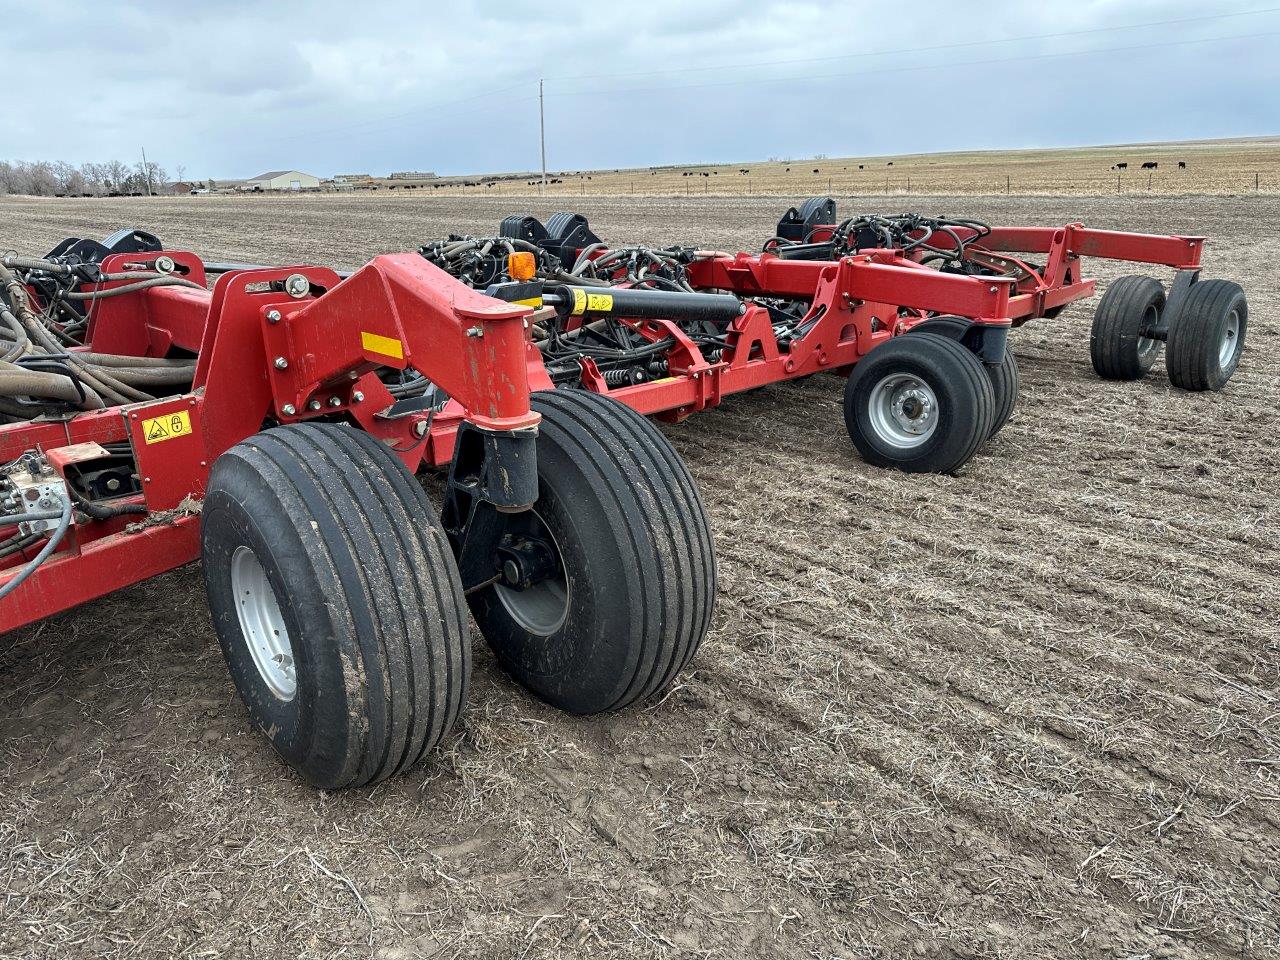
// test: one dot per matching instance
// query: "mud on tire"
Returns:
(636, 580)
(1117, 347)
(336, 601)
(921, 403)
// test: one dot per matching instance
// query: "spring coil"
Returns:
(624, 376)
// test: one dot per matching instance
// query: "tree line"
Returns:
(40, 178)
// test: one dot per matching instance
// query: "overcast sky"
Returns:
(231, 90)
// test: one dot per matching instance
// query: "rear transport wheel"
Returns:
(632, 576)
(921, 403)
(1117, 347)
(1205, 342)
(336, 601)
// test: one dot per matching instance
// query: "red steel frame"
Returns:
(264, 357)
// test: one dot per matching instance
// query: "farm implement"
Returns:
(271, 425)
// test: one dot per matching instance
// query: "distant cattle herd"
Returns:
(1149, 165)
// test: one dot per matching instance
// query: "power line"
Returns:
(931, 49)
(374, 122)
(809, 78)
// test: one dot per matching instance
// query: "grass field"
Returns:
(1028, 711)
(1212, 167)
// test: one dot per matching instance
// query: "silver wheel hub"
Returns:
(1230, 340)
(1148, 346)
(262, 625)
(903, 410)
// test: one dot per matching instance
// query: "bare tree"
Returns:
(116, 174)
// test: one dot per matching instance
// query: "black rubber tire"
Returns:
(637, 556)
(1116, 345)
(959, 380)
(1005, 379)
(1006, 382)
(368, 591)
(1192, 357)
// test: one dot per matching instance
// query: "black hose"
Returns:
(64, 521)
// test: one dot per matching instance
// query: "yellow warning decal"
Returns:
(159, 429)
(579, 302)
(600, 302)
(387, 346)
(531, 302)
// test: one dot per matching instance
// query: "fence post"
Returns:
(1257, 182)
(1007, 184)
(1117, 183)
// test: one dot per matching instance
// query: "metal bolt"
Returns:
(335, 402)
(313, 405)
(273, 316)
(281, 363)
(164, 264)
(475, 332)
(357, 396)
(297, 286)
(288, 409)
(420, 428)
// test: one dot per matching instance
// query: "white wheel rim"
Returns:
(543, 608)
(1230, 340)
(262, 625)
(903, 411)
(1147, 346)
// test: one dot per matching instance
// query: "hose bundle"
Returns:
(39, 374)
(943, 240)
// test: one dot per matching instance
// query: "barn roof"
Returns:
(273, 174)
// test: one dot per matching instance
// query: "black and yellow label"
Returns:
(159, 429)
(584, 302)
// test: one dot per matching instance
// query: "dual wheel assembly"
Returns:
(926, 402)
(339, 607)
(1203, 340)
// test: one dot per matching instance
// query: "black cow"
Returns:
(861, 167)
(1182, 164)
(1121, 166)
(1150, 165)
(816, 170)
(889, 164)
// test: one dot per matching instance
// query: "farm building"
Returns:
(283, 180)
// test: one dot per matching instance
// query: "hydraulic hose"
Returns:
(64, 521)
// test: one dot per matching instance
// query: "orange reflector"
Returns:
(521, 266)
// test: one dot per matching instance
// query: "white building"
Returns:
(282, 180)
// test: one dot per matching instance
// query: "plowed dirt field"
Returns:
(1029, 711)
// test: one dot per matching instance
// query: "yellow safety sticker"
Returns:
(387, 346)
(579, 302)
(531, 302)
(599, 302)
(159, 429)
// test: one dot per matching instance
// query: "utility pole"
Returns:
(146, 171)
(542, 134)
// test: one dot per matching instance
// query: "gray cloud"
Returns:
(229, 89)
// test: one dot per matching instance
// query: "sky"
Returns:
(232, 90)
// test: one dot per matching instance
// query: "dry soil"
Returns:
(1029, 711)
